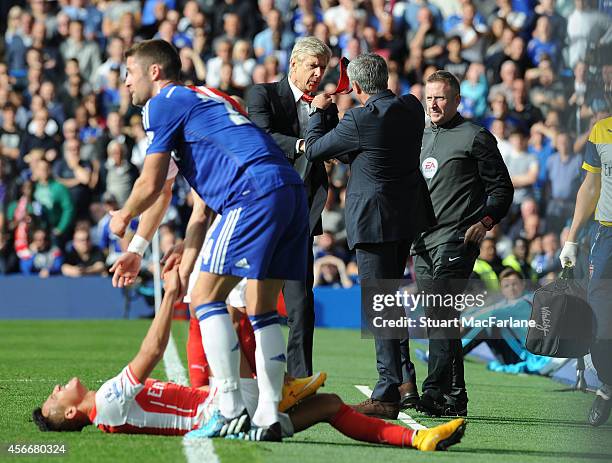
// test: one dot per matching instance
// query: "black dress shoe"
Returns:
(455, 407)
(409, 396)
(600, 410)
(430, 405)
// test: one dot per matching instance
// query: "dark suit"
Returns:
(273, 108)
(387, 201)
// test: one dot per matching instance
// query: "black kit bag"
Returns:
(563, 319)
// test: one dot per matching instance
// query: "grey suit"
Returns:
(387, 201)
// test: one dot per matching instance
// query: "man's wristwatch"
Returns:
(487, 222)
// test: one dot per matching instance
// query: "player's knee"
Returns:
(331, 403)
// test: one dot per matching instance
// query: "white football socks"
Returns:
(271, 361)
(223, 353)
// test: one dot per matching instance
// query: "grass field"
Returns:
(511, 418)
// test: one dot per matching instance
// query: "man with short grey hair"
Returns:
(282, 109)
(387, 203)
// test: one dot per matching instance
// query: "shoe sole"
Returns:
(305, 392)
(427, 412)
(453, 439)
(409, 403)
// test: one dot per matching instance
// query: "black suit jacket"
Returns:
(272, 107)
(387, 197)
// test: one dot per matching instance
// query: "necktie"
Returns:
(307, 98)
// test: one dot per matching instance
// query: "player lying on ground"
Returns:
(131, 402)
(241, 173)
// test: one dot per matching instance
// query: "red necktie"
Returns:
(344, 84)
(307, 98)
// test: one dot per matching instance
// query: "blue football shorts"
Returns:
(264, 238)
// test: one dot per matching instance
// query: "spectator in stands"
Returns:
(114, 52)
(508, 74)
(498, 129)
(243, 64)
(226, 82)
(427, 36)
(15, 45)
(522, 167)
(326, 245)
(8, 259)
(274, 40)
(23, 214)
(306, 13)
(515, 20)
(547, 91)
(36, 137)
(83, 258)
(471, 33)
(119, 173)
(585, 26)
(558, 24)
(141, 142)
(454, 62)
(522, 109)
(223, 54)
(77, 175)
(542, 44)
(518, 260)
(51, 102)
(488, 265)
(110, 95)
(333, 217)
(474, 93)
(548, 261)
(55, 200)
(330, 271)
(542, 148)
(563, 169)
(336, 17)
(42, 258)
(85, 51)
(10, 136)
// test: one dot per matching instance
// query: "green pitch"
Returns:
(512, 418)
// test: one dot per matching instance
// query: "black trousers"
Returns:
(299, 302)
(387, 260)
(444, 270)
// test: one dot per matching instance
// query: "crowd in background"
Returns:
(533, 72)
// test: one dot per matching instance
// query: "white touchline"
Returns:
(196, 450)
(403, 417)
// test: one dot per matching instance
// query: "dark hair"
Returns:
(45, 424)
(508, 272)
(40, 421)
(157, 52)
(447, 77)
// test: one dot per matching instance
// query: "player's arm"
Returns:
(586, 201)
(126, 268)
(201, 215)
(145, 191)
(155, 342)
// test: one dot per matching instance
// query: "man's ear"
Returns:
(357, 87)
(155, 72)
(70, 412)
